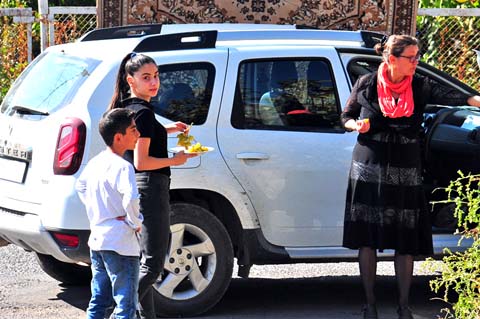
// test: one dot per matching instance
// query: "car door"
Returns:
(279, 132)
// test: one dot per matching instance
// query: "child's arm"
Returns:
(130, 202)
(133, 218)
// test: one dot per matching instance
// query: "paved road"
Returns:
(330, 291)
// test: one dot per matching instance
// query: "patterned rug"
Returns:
(387, 16)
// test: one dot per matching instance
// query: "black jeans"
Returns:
(155, 207)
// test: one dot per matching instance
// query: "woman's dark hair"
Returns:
(113, 122)
(394, 45)
(131, 63)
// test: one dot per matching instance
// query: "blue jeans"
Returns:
(114, 279)
(155, 208)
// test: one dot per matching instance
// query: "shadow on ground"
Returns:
(322, 297)
(76, 296)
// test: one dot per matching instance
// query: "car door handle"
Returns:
(252, 156)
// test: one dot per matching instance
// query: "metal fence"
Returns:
(66, 24)
(57, 24)
(449, 38)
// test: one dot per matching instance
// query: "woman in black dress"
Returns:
(137, 82)
(385, 205)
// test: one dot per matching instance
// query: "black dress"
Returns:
(386, 206)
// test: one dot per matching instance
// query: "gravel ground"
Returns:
(23, 286)
(28, 293)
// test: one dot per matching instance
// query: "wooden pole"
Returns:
(43, 11)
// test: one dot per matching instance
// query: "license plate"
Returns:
(12, 170)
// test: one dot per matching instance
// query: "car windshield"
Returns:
(47, 84)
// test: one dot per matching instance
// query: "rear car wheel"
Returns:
(199, 265)
(67, 273)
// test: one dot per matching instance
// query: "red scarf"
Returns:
(404, 106)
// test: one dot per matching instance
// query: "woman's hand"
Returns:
(361, 126)
(474, 101)
(177, 127)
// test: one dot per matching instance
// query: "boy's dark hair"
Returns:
(113, 122)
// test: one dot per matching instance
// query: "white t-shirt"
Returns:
(108, 189)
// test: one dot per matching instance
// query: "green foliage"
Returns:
(460, 271)
(449, 3)
(13, 47)
(12, 4)
(447, 42)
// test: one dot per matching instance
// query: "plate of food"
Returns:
(188, 144)
(192, 149)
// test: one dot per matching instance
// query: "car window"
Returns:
(48, 83)
(364, 65)
(185, 92)
(361, 66)
(286, 94)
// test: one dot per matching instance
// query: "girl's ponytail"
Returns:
(121, 85)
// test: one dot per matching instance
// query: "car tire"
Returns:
(199, 265)
(66, 273)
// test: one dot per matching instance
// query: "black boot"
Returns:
(369, 311)
(404, 313)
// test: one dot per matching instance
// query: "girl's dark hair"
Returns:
(394, 45)
(131, 63)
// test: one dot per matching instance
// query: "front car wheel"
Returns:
(199, 265)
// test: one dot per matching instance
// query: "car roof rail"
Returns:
(371, 38)
(178, 41)
(129, 31)
(212, 38)
(305, 35)
(209, 33)
(306, 27)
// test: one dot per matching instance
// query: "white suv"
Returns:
(267, 98)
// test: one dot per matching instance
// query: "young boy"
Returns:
(108, 189)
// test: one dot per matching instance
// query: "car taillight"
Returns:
(70, 146)
(67, 240)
